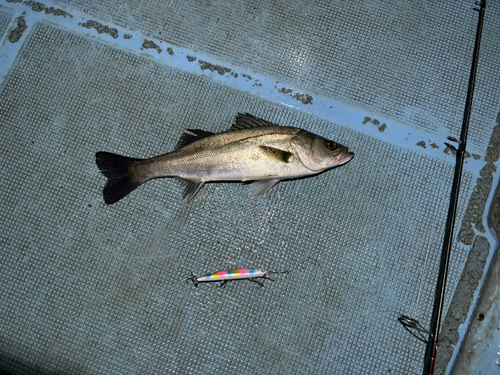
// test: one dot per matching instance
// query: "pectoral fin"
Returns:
(276, 154)
(261, 187)
(191, 188)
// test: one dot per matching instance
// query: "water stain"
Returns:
(101, 29)
(148, 44)
(213, 68)
(17, 33)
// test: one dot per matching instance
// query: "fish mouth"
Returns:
(342, 157)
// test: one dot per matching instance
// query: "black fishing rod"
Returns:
(430, 352)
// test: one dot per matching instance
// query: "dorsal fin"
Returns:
(188, 138)
(248, 121)
(200, 133)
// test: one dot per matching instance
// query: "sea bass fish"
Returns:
(252, 150)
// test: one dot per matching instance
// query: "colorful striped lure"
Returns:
(241, 273)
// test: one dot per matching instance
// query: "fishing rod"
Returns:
(430, 352)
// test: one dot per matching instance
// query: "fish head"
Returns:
(318, 153)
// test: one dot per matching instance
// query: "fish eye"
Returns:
(331, 145)
(263, 270)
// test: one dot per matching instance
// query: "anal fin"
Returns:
(263, 186)
(191, 188)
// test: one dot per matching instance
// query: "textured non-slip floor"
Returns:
(96, 263)
(409, 60)
(5, 20)
(90, 288)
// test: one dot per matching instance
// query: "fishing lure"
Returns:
(237, 274)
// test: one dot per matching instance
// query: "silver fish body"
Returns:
(252, 150)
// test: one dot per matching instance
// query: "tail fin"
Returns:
(117, 169)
